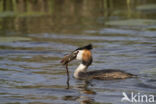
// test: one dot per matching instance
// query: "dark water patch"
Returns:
(35, 58)
(146, 86)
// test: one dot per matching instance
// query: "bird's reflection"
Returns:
(82, 87)
(68, 82)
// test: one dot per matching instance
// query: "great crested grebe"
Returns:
(84, 54)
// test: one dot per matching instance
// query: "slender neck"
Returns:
(80, 68)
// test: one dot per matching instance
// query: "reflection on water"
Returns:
(36, 34)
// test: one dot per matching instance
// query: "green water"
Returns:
(36, 34)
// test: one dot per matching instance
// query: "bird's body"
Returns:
(84, 54)
(105, 74)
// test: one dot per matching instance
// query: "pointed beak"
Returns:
(68, 58)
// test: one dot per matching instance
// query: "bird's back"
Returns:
(107, 74)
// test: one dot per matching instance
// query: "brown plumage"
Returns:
(67, 58)
(87, 55)
(106, 74)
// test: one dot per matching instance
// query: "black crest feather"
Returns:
(88, 47)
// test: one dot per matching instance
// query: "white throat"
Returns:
(79, 55)
(80, 68)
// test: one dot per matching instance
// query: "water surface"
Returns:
(33, 41)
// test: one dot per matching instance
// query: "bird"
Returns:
(84, 54)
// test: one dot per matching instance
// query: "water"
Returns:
(32, 45)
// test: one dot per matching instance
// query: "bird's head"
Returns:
(83, 53)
